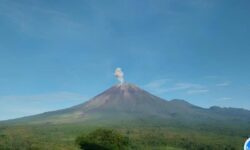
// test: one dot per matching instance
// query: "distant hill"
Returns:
(127, 104)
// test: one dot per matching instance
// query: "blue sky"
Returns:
(55, 54)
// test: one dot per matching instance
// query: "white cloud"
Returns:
(227, 83)
(160, 86)
(224, 98)
(189, 88)
(157, 83)
(185, 86)
(211, 77)
(157, 86)
(197, 91)
(25, 105)
(24, 18)
(59, 96)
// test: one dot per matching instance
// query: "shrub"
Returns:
(103, 139)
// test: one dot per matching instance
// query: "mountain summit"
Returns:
(126, 98)
(126, 103)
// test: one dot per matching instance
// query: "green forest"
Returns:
(70, 136)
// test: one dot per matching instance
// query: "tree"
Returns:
(103, 139)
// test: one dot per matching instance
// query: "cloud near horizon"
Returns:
(159, 86)
(58, 96)
(14, 106)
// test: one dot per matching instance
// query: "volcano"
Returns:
(128, 104)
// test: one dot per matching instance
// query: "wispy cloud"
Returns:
(24, 17)
(157, 83)
(59, 96)
(157, 86)
(227, 83)
(184, 86)
(160, 86)
(224, 98)
(14, 106)
(211, 77)
(197, 91)
(189, 88)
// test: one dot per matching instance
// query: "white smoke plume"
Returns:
(119, 75)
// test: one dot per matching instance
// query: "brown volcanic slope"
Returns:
(127, 103)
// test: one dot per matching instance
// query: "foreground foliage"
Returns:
(103, 139)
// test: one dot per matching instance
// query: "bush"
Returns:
(103, 139)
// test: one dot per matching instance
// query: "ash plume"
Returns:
(119, 75)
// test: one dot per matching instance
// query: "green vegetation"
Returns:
(63, 137)
(104, 139)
